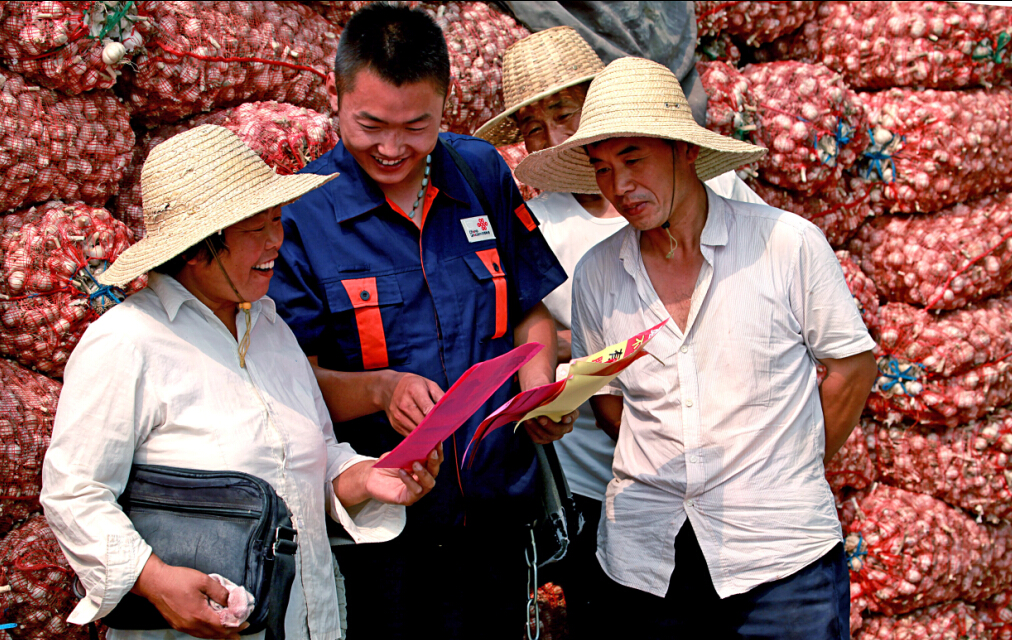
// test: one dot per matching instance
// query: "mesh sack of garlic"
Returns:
(877, 45)
(71, 46)
(966, 467)
(56, 146)
(201, 56)
(932, 149)
(50, 257)
(908, 550)
(812, 123)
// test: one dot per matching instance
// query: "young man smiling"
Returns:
(719, 522)
(396, 280)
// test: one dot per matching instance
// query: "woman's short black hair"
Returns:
(199, 250)
(401, 45)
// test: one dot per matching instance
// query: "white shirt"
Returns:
(725, 426)
(156, 380)
(586, 452)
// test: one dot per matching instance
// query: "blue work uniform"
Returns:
(364, 289)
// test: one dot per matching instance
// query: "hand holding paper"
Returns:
(586, 377)
(458, 404)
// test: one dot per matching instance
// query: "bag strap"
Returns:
(472, 181)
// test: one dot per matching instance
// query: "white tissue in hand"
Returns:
(240, 603)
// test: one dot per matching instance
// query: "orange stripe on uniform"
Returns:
(525, 216)
(490, 257)
(365, 301)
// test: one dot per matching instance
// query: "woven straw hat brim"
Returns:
(150, 251)
(567, 166)
(502, 131)
(632, 98)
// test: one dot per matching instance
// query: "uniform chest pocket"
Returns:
(492, 302)
(361, 310)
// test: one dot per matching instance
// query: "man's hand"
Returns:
(363, 481)
(542, 430)
(181, 595)
(407, 398)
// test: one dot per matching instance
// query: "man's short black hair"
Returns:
(401, 45)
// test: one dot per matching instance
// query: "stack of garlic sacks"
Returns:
(87, 89)
(888, 127)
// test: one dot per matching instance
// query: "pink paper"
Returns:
(458, 404)
(521, 404)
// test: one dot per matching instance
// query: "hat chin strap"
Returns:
(667, 223)
(245, 306)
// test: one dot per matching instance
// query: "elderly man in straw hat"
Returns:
(545, 80)
(719, 521)
(197, 371)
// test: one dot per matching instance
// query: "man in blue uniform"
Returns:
(396, 278)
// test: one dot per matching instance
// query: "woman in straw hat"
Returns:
(720, 521)
(197, 371)
(545, 81)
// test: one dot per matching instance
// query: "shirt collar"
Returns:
(359, 194)
(173, 295)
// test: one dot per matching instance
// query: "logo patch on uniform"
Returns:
(478, 229)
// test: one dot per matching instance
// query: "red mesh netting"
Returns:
(932, 149)
(911, 551)
(719, 48)
(41, 595)
(752, 23)
(731, 107)
(513, 154)
(943, 260)
(861, 287)
(949, 621)
(338, 13)
(967, 467)
(49, 259)
(552, 613)
(997, 614)
(53, 146)
(875, 45)
(201, 56)
(287, 137)
(27, 406)
(477, 36)
(950, 342)
(70, 46)
(812, 123)
(837, 210)
(851, 466)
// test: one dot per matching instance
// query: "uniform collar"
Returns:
(359, 194)
(173, 295)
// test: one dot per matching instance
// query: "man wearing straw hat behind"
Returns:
(197, 372)
(545, 80)
(719, 521)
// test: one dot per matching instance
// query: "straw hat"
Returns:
(197, 183)
(534, 68)
(632, 98)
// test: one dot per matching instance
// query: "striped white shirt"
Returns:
(725, 426)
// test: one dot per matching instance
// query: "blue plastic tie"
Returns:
(860, 552)
(896, 377)
(8, 625)
(105, 291)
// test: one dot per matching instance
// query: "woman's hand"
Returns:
(393, 486)
(181, 595)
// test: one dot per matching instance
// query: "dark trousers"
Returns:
(812, 604)
(580, 575)
(463, 583)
